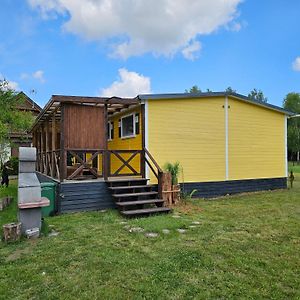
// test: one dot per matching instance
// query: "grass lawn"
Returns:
(245, 246)
(9, 214)
(295, 168)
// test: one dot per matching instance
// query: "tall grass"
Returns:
(174, 169)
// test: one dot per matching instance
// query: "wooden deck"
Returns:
(71, 137)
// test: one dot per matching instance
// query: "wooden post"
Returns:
(12, 232)
(175, 193)
(36, 141)
(63, 154)
(42, 148)
(47, 162)
(53, 145)
(34, 144)
(143, 124)
(165, 187)
(34, 138)
(42, 139)
(106, 156)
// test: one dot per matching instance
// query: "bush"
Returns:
(14, 164)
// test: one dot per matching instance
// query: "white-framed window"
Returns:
(128, 126)
(110, 130)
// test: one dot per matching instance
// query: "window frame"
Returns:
(133, 120)
(110, 127)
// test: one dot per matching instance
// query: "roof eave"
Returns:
(146, 97)
(262, 104)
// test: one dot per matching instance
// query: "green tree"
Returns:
(292, 103)
(257, 95)
(193, 90)
(230, 90)
(12, 119)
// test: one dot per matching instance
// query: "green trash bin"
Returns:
(49, 191)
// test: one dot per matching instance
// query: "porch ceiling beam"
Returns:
(40, 116)
(53, 106)
(117, 105)
(52, 112)
(123, 101)
(119, 111)
(77, 99)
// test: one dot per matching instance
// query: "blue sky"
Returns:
(78, 47)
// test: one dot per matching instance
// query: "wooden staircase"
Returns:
(135, 197)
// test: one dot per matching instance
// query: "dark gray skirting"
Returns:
(86, 196)
(221, 188)
(75, 197)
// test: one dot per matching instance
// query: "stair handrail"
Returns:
(159, 169)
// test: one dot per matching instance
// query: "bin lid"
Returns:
(45, 184)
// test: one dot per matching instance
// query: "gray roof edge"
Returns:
(213, 94)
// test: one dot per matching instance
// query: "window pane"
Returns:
(111, 130)
(108, 131)
(127, 126)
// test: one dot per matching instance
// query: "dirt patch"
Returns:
(20, 252)
(189, 208)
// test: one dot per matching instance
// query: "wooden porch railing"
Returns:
(151, 159)
(83, 164)
(48, 163)
(126, 162)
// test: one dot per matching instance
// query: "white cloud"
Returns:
(133, 27)
(296, 64)
(24, 76)
(235, 26)
(38, 75)
(130, 84)
(12, 85)
(192, 50)
(48, 8)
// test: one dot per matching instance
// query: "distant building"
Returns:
(23, 139)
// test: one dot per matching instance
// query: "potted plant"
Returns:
(174, 170)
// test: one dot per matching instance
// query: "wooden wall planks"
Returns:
(84, 127)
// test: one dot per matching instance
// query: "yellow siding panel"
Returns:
(192, 132)
(256, 142)
(99, 161)
(133, 143)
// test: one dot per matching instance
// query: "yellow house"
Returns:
(225, 142)
(102, 151)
